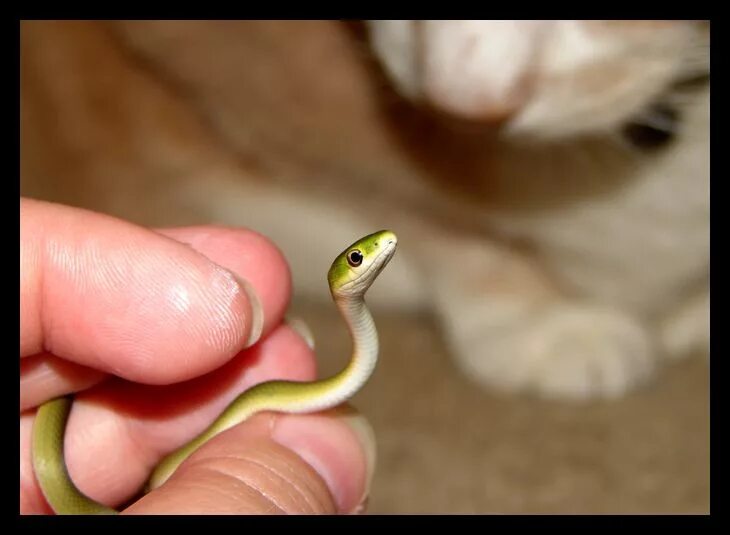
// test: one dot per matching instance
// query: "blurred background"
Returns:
(289, 126)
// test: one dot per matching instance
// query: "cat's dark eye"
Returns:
(354, 258)
(654, 129)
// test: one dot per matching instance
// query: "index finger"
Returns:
(107, 294)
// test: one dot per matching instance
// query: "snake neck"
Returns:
(338, 388)
(364, 338)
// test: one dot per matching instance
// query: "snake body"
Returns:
(349, 277)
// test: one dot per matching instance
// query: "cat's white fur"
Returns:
(569, 268)
(634, 261)
(560, 78)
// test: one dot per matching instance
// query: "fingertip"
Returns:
(113, 296)
(340, 445)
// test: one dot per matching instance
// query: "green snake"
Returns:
(349, 277)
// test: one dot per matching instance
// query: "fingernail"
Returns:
(302, 329)
(257, 311)
(366, 436)
(362, 508)
(332, 443)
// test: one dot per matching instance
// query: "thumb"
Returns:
(274, 464)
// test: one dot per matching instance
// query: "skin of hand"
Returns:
(156, 331)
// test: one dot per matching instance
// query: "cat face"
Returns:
(541, 79)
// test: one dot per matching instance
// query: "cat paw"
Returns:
(563, 352)
(686, 331)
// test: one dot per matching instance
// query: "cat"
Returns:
(632, 258)
(548, 180)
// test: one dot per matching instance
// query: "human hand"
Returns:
(156, 332)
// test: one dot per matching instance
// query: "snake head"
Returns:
(355, 269)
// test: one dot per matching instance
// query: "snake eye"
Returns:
(354, 258)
